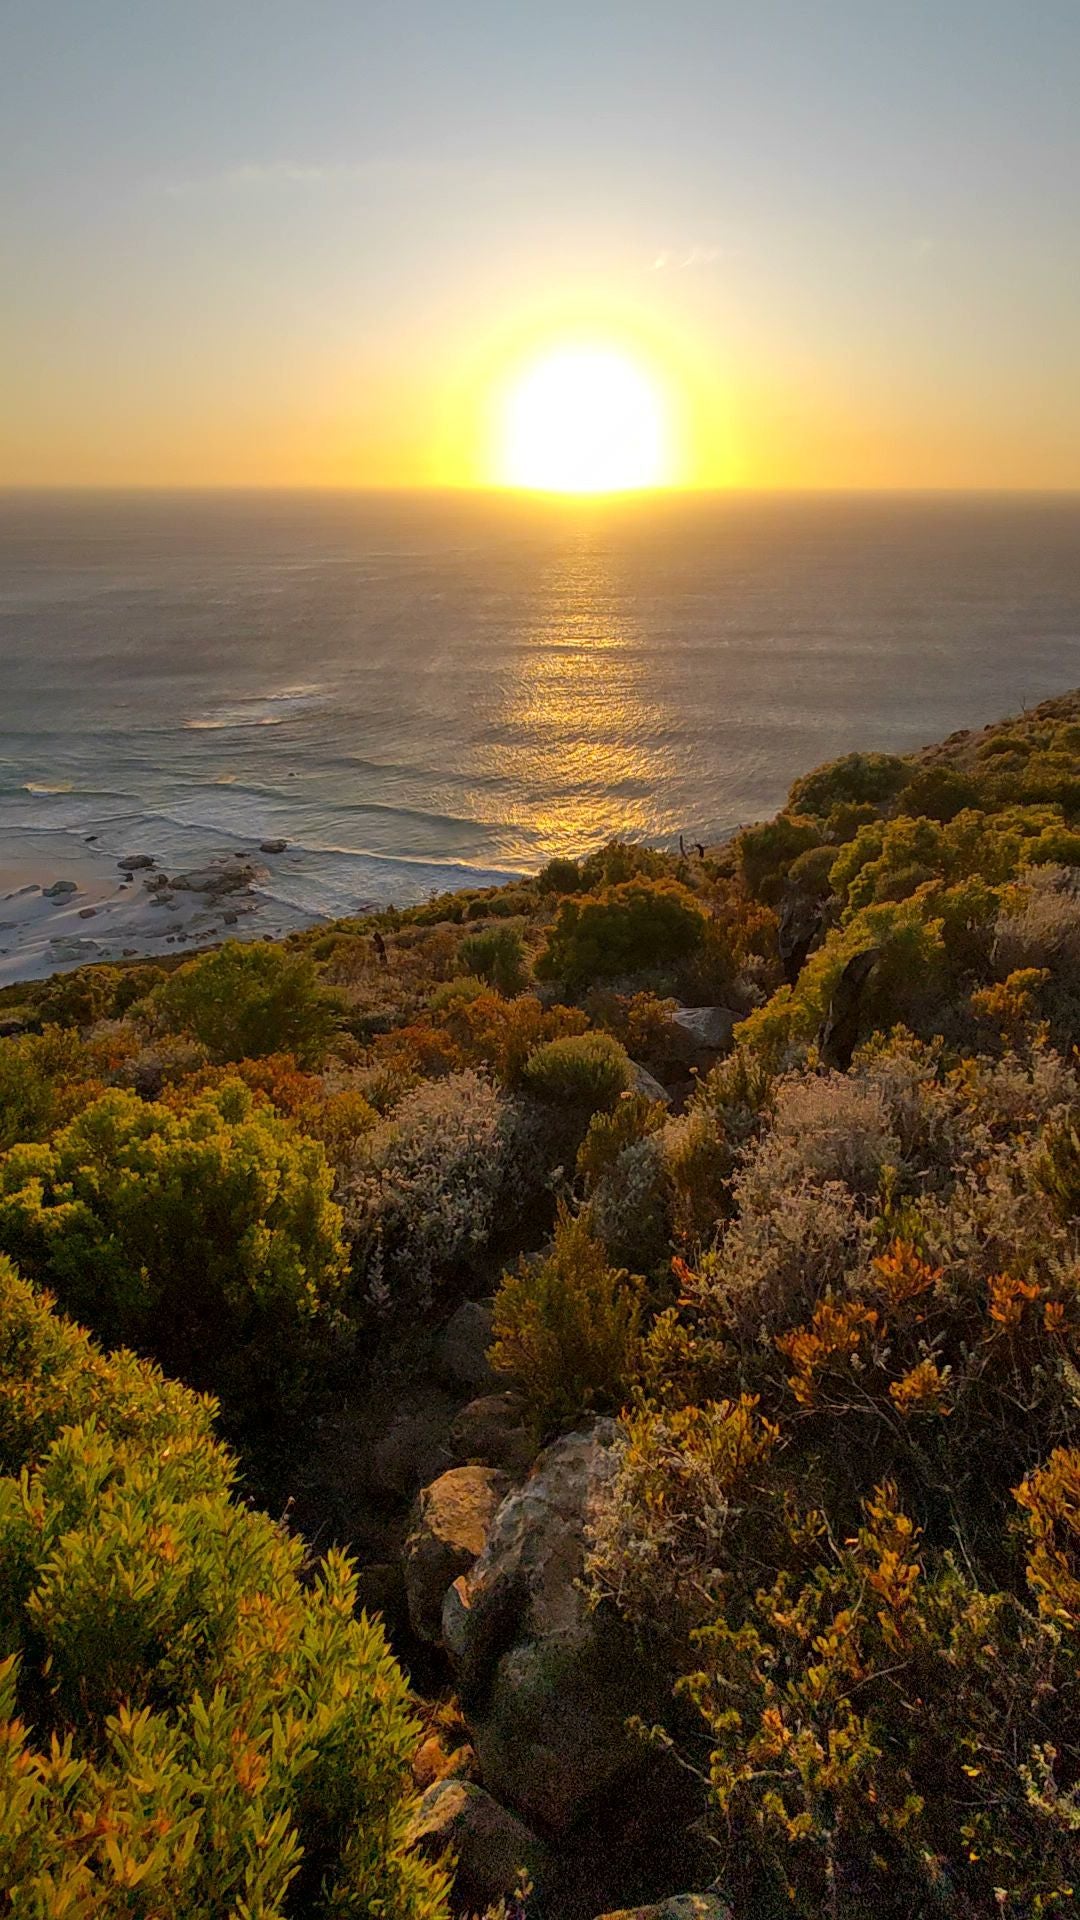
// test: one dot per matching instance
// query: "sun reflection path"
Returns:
(579, 737)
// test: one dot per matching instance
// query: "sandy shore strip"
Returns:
(67, 906)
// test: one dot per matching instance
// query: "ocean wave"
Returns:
(271, 709)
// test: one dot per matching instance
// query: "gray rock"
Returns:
(87, 913)
(492, 1432)
(230, 877)
(546, 1684)
(462, 1347)
(414, 1448)
(272, 846)
(493, 1849)
(705, 1029)
(134, 862)
(59, 889)
(646, 1083)
(450, 1527)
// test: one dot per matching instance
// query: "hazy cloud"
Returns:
(678, 259)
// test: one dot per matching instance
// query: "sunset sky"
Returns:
(323, 242)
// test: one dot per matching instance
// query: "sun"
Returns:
(584, 419)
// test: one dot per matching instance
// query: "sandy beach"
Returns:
(68, 907)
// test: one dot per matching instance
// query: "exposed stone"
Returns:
(87, 913)
(134, 862)
(492, 1432)
(840, 1030)
(546, 1684)
(681, 1906)
(703, 1030)
(272, 846)
(646, 1083)
(229, 877)
(461, 1349)
(414, 1448)
(59, 889)
(493, 1848)
(450, 1527)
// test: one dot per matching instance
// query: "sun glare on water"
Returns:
(584, 419)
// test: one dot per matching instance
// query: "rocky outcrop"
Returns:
(493, 1849)
(450, 1528)
(492, 1432)
(841, 1028)
(461, 1349)
(646, 1083)
(546, 1684)
(412, 1450)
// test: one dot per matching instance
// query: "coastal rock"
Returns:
(546, 1684)
(59, 890)
(134, 862)
(87, 913)
(461, 1349)
(272, 846)
(230, 877)
(451, 1524)
(492, 1432)
(493, 1849)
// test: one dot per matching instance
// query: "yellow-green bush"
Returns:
(584, 1072)
(495, 956)
(567, 1329)
(243, 1001)
(205, 1236)
(627, 929)
(187, 1727)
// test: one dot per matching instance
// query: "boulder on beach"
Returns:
(59, 890)
(230, 877)
(134, 862)
(272, 846)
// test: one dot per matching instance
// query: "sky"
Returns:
(312, 242)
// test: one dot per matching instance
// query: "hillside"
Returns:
(652, 1289)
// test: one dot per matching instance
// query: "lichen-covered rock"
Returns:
(450, 1527)
(492, 1432)
(493, 1849)
(546, 1684)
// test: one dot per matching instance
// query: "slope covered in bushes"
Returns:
(773, 1154)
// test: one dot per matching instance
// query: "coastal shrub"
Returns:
(488, 1031)
(938, 793)
(640, 1022)
(766, 852)
(584, 1072)
(425, 1191)
(190, 1724)
(496, 956)
(906, 985)
(242, 1001)
(205, 1236)
(629, 927)
(560, 876)
(888, 1737)
(611, 1130)
(45, 1078)
(567, 1329)
(855, 779)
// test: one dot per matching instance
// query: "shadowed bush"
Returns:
(243, 1001)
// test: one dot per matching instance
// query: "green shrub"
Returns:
(496, 956)
(44, 1079)
(189, 1727)
(855, 779)
(242, 1002)
(567, 1329)
(938, 793)
(586, 1072)
(766, 852)
(205, 1236)
(560, 876)
(629, 927)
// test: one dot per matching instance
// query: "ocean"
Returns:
(422, 691)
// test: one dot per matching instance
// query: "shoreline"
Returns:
(73, 906)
